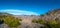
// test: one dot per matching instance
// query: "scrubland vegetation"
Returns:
(49, 23)
(48, 20)
(9, 19)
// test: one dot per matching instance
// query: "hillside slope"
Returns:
(27, 19)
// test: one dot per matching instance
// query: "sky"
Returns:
(28, 7)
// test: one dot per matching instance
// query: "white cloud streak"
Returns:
(19, 12)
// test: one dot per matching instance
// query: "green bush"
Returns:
(34, 21)
(11, 21)
(49, 23)
(41, 21)
(42, 15)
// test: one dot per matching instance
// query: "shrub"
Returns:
(41, 21)
(11, 21)
(49, 23)
(34, 21)
(42, 15)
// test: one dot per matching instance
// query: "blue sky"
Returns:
(28, 7)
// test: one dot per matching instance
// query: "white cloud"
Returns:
(19, 12)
